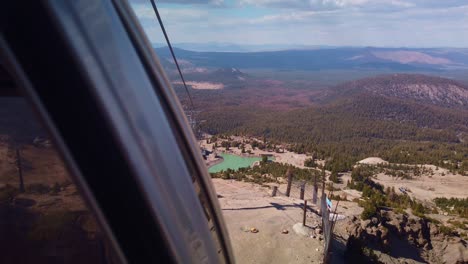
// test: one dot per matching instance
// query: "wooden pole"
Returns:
(275, 189)
(302, 192)
(305, 212)
(315, 190)
(20, 170)
(290, 177)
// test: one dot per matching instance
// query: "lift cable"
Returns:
(155, 8)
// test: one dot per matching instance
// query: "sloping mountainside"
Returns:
(224, 75)
(404, 112)
(418, 88)
(401, 118)
(232, 73)
(397, 59)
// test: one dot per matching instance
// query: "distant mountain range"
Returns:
(407, 115)
(390, 109)
(231, 47)
(396, 59)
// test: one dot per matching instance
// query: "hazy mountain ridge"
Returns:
(398, 59)
(232, 47)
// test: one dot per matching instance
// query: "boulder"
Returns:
(375, 221)
(384, 234)
(318, 230)
(456, 252)
(433, 229)
(365, 223)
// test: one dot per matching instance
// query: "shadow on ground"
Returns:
(277, 206)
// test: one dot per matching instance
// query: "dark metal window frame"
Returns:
(89, 70)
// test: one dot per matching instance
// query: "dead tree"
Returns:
(304, 213)
(315, 191)
(275, 190)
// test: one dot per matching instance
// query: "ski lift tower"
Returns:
(193, 121)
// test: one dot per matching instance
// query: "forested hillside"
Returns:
(359, 125)
(430, 90)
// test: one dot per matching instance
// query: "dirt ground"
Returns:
(424, 188)
(247, 206)
(427, 187)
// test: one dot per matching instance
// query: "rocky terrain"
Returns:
(401, 239)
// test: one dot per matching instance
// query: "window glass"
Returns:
(43, 218)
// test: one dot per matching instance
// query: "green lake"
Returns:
(234, 162)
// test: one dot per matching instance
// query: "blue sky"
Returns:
(383, 23)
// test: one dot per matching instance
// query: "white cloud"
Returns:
(179, 14)
(189, 2)
(327, 4)
(342, 22)
(402, 3)
(339, 3)
(288, 17)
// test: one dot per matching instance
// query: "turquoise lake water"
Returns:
(234, 162)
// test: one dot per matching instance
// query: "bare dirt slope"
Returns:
(427, 187)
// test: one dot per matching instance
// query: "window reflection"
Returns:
(43, 218)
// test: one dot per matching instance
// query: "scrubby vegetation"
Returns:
(448, 231)
(459, 224)
(310, 163)
(375, 196)
(356, 252)
(404, 171)
(453, 205)
(268, 172)
(334, 177)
